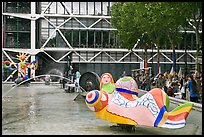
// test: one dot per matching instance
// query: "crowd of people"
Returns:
(187, 87)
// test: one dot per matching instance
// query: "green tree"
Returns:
(148, 18)
(194, 18)
(122, 19)
(128, 31)
(174, 20)
(159, 21)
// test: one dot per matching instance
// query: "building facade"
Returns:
(80, 33)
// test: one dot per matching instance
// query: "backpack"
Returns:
(194, 87)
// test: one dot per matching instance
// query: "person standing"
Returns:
(64, 81)
(170, 90)
(77, 87)
(47, 80)
(123, 74)
(192, 85)
(147, 82)
(137, 79)
(11, 78)
(183, 87)
(160, 82)
(201, 87)
(199, 90)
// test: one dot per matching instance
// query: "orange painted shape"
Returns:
(127, 96)
(178, 117)
(158, 96)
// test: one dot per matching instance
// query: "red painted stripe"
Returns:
(178, 117)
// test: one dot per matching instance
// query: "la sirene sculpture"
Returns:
(123, 106)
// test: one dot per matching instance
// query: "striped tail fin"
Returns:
(177, 117)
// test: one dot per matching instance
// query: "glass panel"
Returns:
(68, 5)
(105, 8)
(91, 39)
(52, 8)
(75, 7)
(90, 8)
(98, 8)
(82, 8)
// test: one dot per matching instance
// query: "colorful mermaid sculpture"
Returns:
(107, 83)
(22, 66)
(124, 106)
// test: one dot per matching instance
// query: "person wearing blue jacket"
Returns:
(193, 93)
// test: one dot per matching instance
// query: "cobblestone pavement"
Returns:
(48, 110)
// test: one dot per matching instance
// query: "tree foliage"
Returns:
(160, 21)
(156, 22)
(122, 19)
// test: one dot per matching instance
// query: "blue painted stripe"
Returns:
(95, 99)
(160, 116)
(126, 91)
(175, 123)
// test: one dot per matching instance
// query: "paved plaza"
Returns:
(41, 109)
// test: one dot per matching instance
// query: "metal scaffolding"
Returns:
(75, 29)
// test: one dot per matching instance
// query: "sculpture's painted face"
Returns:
(22, 57)
(106, 79)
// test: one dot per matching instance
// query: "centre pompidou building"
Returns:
(80, 33)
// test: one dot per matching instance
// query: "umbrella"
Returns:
(180, 73)
(172, 70)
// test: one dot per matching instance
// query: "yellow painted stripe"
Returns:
(185, 109)
(99, 105)
(164, 98)
(101, 114)
(105, 115)
(163, 120)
